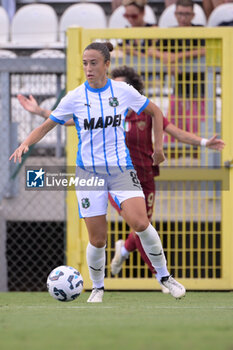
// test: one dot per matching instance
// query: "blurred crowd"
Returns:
(207, 5)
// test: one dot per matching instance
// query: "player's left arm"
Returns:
(157, 116)
(192, 139)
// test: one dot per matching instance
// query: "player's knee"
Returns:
(140, 225)
(98, 242)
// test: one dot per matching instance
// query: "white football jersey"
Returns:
(99, 116)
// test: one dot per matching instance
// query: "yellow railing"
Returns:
(194, 200)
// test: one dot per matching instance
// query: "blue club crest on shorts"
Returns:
(85, 203)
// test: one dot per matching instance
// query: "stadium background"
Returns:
(194, 200)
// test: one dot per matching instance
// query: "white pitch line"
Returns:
(7, 307)
(191, 307)
(53, 307)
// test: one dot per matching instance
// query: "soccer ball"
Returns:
(64, 283)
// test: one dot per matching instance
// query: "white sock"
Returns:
(96, 264)
(161, 272)
(124, 252)
(152, 245)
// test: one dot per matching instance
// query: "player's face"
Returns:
(95, 68)
(184, 15)
(134, 15)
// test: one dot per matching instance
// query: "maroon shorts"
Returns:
(148, 187)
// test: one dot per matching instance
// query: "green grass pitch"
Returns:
(124, 321)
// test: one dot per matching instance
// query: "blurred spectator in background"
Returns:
(9, 6)
(184, 14)
(208, 5)
(134, 13)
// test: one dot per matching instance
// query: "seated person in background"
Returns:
(184, 14)
(208, 5)
(134, 13)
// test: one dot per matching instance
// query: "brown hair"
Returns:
(185, 3)
(103, 48)
(131, 77)
(138, 3)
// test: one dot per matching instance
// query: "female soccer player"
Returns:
(98, 108)
(139, 143)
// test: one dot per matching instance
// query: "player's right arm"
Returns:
(31, 105)
(35, 136)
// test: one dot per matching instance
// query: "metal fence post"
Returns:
(3, 261)
(4, 132)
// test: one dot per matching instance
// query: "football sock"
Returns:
(162, 272)
(96, 264)
(153, 248)
(143, 254)
(124, 252)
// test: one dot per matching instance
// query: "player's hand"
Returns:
(158, 157)
(17, 155)
(30, 104)
(215, 143)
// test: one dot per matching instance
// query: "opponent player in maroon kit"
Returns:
(139, 142)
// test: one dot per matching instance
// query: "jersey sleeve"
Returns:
(136, 101)
(64, 111)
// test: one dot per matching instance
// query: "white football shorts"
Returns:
(92, 190)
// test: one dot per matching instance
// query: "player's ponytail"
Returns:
(104, 48)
